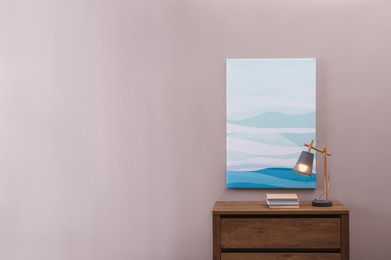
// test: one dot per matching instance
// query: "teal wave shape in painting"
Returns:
(286, 173)
(249, 185)
(280, 109)
(270, 178)
(271, 139)
(278, 120)
(237, 156)
(299, 138)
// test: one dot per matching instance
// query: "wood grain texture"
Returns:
(216, 237)
(345, 236)
(251, 231)
(280, 256)
(260, 207)
(280, 233)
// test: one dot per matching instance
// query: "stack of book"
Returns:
(282, 201)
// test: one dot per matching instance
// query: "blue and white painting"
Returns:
(271, 113)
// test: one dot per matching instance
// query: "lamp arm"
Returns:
(326, 174)
(310, 146)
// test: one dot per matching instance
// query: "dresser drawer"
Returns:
(281, 232)
(280, 256)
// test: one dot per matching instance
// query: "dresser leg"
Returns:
(216, 237)
(345, 236)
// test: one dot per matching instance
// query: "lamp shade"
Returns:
(304, 164)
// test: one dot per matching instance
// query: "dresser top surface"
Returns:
(260, 207)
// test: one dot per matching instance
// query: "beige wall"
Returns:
(112, 119)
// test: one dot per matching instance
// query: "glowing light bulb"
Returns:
(302, 167)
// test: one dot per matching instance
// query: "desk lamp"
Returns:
(304, 166)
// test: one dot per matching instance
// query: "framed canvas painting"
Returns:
(271, 113)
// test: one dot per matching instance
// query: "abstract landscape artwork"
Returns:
(271, 113)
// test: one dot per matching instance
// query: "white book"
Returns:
(285, 207)
(282, 202)
(282, 196)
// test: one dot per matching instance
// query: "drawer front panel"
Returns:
(280, 256)
(305, 233)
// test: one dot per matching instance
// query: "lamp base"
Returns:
(322, 203)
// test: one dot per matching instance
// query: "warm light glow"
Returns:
(302, 167)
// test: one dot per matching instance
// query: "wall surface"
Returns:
(112, 119)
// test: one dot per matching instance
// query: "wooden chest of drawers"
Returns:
(252, 231)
